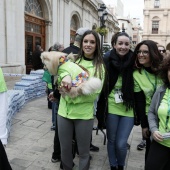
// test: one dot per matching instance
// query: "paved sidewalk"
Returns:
(30, 144)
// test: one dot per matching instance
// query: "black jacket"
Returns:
(111, 79)
(74, 49)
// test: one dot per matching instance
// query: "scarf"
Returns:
(122, 67)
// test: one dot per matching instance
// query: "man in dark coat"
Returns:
(36, 60)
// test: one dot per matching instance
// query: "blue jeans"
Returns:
(118, 131)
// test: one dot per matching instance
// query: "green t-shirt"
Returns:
(83, 106)
(47, 78)
(115, 104)
(162, 115)
(147, 82)
(3, 87)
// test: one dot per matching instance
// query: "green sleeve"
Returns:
(46, 77)
(137, 87)
(61, 76)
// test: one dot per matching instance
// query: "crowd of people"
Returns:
(135, 86)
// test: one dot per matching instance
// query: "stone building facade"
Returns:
(26, 23)
(156, 21)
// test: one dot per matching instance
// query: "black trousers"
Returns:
(57, 150)
(158, 157)
(4, 164)
(148, 144)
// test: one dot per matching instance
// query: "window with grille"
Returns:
(155, 27)
(33, 7)
(31, 27)
(156, 4)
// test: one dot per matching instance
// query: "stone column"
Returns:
(48, 40)
(146, 23)
(66, 22)
(3, 32)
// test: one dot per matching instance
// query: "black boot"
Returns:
(113, 168)
(120, 167)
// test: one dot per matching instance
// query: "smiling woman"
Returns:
(143, 56)
(89, 45)
(146, 81)
(118, 93)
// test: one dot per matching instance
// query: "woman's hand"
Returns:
(145, 132)
(66, 82)
(157, 136)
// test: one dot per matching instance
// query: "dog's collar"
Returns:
(62, 60)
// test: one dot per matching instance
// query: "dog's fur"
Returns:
(52, 63)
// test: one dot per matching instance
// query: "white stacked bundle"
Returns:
(16, 100)
(32, 85)
(41, 84)
(28, 87)
(34, 80)
(37, 73)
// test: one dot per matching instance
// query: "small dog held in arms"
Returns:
(60, 64)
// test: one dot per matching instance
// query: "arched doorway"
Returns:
(34, 30)
(73, 27)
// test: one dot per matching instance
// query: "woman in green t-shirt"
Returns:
(117, 100)
(77, 114)
(159, 123)
(146, 81)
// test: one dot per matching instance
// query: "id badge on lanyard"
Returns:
(118, 96)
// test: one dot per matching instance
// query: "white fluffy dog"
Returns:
(59, 64)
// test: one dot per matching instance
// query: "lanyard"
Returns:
(154, 85)
(168, 113)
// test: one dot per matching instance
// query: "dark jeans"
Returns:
(57, 150)
(49, 102)
(4, 164)
(158, 157)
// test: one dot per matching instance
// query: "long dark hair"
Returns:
(154, 54)
(164, 68)
(97, 58)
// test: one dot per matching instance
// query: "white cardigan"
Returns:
(3, 117)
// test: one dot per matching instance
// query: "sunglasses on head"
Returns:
(162, 51)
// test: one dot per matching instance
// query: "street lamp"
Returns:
(103, 16)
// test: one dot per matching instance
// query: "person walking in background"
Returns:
(117, 101)
(71, 115)
(158, 118)
(36, 60)
(146, 81)
(56, 47)
(75, 48)
(4, 164)
(161, 48)
(56, 155)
